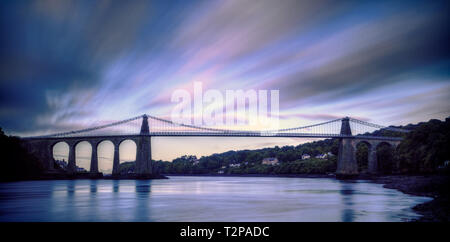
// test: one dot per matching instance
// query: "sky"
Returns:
(66, 65)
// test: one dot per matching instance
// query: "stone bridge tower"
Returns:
(346, 164)
(143, 154)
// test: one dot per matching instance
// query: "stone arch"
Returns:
(105, 155)
(83, 152)
(384, 143)
(60, 152)
(395, 145)
(131, 146)
(95, 143)
(362, 154)
(385, 156)
(128, 152)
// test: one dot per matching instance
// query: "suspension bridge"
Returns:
(140, 129)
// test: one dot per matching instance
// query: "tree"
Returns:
(17, 163)
(385, 158)
(362, 153)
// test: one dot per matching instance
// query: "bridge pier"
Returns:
(94, 158)
(346, 165)
(372, 159)
(71, 166)
(143, 164)
(144, 156)
(116, 161)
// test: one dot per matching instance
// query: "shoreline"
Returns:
(433, 186)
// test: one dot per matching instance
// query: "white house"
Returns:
(305, 156)
(81, 169)
(322, 156)
(270, 161)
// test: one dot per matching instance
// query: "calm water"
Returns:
(204, 199)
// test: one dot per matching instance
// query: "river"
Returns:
(191, 198)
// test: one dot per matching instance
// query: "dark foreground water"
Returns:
(204, 199)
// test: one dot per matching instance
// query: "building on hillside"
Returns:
(81, 169)
(324, 156)
(235, 165)
(445, 165)
(62, 164)
(305, 156)
(321, 156)
(270, 161)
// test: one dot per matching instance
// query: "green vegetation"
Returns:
(386, 159)
(362, 154)
(425, 149)
(17, 163)
(126, 167)
(250, 161)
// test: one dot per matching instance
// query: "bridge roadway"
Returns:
(206, 134)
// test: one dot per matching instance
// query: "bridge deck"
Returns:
(206, 134)
(338, 128)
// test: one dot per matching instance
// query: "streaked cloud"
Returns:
(70, 64)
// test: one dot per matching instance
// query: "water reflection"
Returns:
(142, 188)
(204, 199)
(93, 187)
(71, 188)
(346, 192)
(115, 185)
(92, 203)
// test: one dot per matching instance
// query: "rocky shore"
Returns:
(435, 186)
